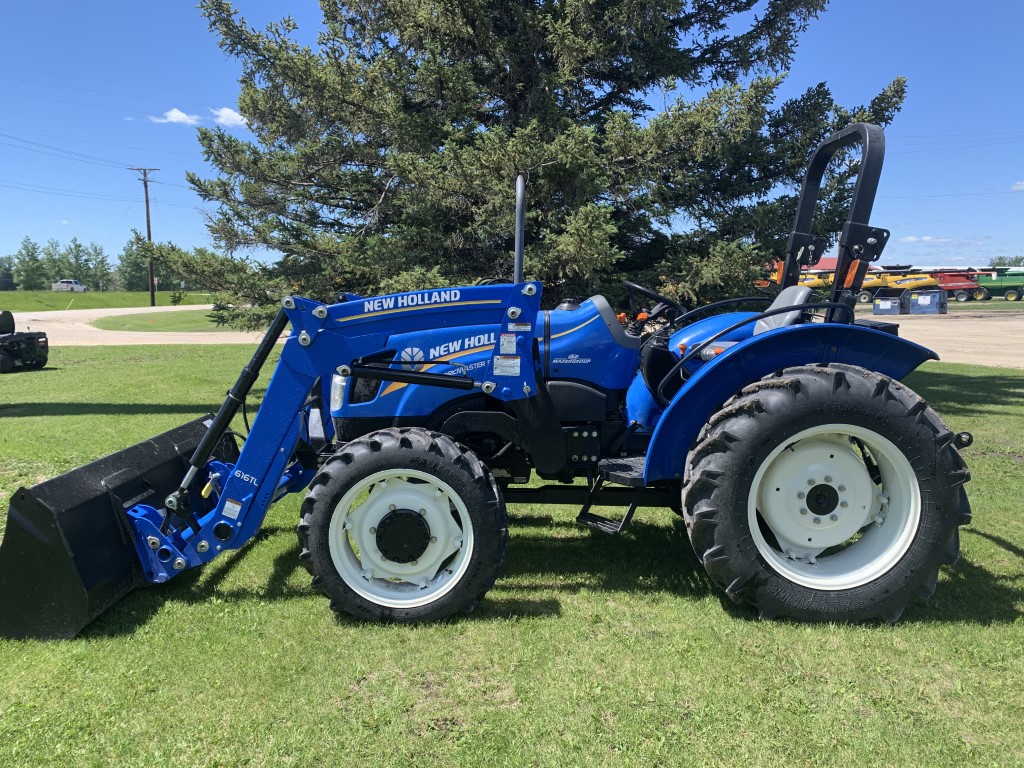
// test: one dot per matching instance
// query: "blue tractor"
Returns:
(813, 484)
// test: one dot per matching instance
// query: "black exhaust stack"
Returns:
(67, 553)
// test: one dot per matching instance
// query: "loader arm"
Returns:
(323, 340)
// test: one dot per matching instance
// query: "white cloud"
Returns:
(927, 240)
(1018, 186)
(175, 115)
(64, 221)
(227, 117)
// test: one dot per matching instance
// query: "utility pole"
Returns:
(149, 233)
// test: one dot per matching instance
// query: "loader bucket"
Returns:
(67, 553)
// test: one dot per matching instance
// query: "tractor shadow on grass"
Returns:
(550, 557)
(979, 394)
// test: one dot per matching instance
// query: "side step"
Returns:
(627, 471)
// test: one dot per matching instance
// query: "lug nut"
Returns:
(817, 521)
(803, 510)
(833, 516)
(391, 507)
(423, 511)
(800, 495)
(828, 478)
(841, 488)
(843, 504)
(810, 481)
(433, 539)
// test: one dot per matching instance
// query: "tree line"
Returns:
(35, 266)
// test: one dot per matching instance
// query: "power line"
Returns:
(58, 192)
(70, 154)
(111, 144)
(106, 80)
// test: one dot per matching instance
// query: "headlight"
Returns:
(338, 384)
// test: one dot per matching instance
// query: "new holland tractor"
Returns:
(813, 484)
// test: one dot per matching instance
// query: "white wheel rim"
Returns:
(840, 538)
(353, 542)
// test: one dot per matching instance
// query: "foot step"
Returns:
(604, 524)
(628, 470)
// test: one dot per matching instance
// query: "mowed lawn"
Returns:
(38, 301)
(589, 651)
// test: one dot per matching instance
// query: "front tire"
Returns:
(961, 296)
(403, 525)
(826, 494)
(1012, 295)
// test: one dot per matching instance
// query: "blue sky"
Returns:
(88, 89)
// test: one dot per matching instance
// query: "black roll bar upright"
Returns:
(859, 242)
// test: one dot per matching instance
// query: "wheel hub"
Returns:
(403, 536)
(822, 499)
(816, 495)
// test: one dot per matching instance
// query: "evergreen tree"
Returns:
(385, 156)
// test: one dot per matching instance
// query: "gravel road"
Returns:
(70, 328)
(978, 337)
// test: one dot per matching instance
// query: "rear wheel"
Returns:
(1012, 295)
(864, 297)
(979, 294)
(826, 493)
(403, 525)
(961, 296)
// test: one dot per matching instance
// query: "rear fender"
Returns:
(751, 360)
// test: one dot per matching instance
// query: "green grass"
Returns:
(590, 650)
(38, 301)
(185, 320)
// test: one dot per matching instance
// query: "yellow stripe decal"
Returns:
(397, 385)
(566, 333)
(420, 306)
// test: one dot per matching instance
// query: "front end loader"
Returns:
(813, 484)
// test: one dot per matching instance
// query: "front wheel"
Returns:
(961, 296)
(864, 297)
(403, 525)
(826, 494)
(1012, 295)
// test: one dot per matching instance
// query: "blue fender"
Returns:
(706, 390)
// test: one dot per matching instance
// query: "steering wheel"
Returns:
(663, 304)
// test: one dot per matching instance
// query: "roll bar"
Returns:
(859, 242)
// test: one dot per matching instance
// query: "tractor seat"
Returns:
(788, 297)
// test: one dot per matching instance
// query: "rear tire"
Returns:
(787, 484)
(403, 525)
(961, 296)
(864, 297)
(979, 294)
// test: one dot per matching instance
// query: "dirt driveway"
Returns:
(980, 337)
(70, 328)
